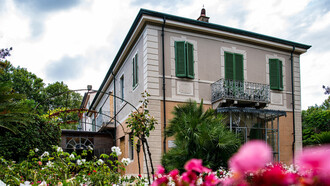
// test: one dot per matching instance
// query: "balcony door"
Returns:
(234, 74)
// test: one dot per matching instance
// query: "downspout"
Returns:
(293, 106)
(164, 103)
(114, 108)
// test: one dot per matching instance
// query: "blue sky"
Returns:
(75, 41)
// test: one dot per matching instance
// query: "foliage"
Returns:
(41, 97)
(37, 134)
(141, 122)
(14, 110)
(315, 120)
(200, 135)
(62, 168)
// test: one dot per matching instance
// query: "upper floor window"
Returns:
(275, 74)
(122, 88)
(234, 68)
(184, 59)
(135, 71)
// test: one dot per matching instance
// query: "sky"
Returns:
(75, 41)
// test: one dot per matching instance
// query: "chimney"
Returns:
(203, 16)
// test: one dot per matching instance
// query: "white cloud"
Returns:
(93, 31)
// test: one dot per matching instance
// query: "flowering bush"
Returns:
(62, 168)
(252, 165)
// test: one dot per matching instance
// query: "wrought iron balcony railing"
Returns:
(240, 90)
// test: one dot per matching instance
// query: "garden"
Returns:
(206, 153)
(251, 165)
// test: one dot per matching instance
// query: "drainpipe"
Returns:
(164, 103)
(114, 108)
(293, 106)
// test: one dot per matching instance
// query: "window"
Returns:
(131, 146)
(122, 87)
(135, 71)
(234, 66)
(184, 59)
(275, 74)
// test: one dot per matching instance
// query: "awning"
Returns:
(266, 113)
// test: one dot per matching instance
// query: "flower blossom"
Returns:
(116, 150)
(49, 164)
(59, 149)
(100, 162)
(315, 161)
(36, 150)
(71, 156)
(79, 162)
(160, 170)
(251, 156)
(45, 154)
(126, 161)
(196, 165)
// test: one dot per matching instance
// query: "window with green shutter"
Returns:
(275, 74)
(234, 68)
(184, 59)
(135, 71)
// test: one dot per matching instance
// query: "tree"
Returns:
(199, 134)
(13, 107)
(59, 97)
(42, 98)
(316, 123)
(38, 133)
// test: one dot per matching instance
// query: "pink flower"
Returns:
(210, 180)
(251, 156)
(39, 163)
(160, 170)
(160, 181)
(196, 165)
(174, 173)
(315, 161)
(275, 175)
(189, 177)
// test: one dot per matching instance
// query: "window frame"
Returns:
(234, 71)
(278, 74)
(135, 72)
(122, 88)
(185, 62)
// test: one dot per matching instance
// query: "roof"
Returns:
(156, 14)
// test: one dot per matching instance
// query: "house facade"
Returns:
(252, 78)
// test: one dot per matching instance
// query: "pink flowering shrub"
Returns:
(252, 165)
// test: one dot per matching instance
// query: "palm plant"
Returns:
(13, 108)
(199, 134)
(322, 138)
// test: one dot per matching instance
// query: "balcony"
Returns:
(240, 92)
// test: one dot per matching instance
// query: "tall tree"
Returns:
(14, 109)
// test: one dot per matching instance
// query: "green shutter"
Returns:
(180, 64)
(229, 65)
(238, 67)
(280, 76)
(190, 60)
(135, 70)
(274, 74)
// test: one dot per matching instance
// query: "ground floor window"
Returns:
(251, 124)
